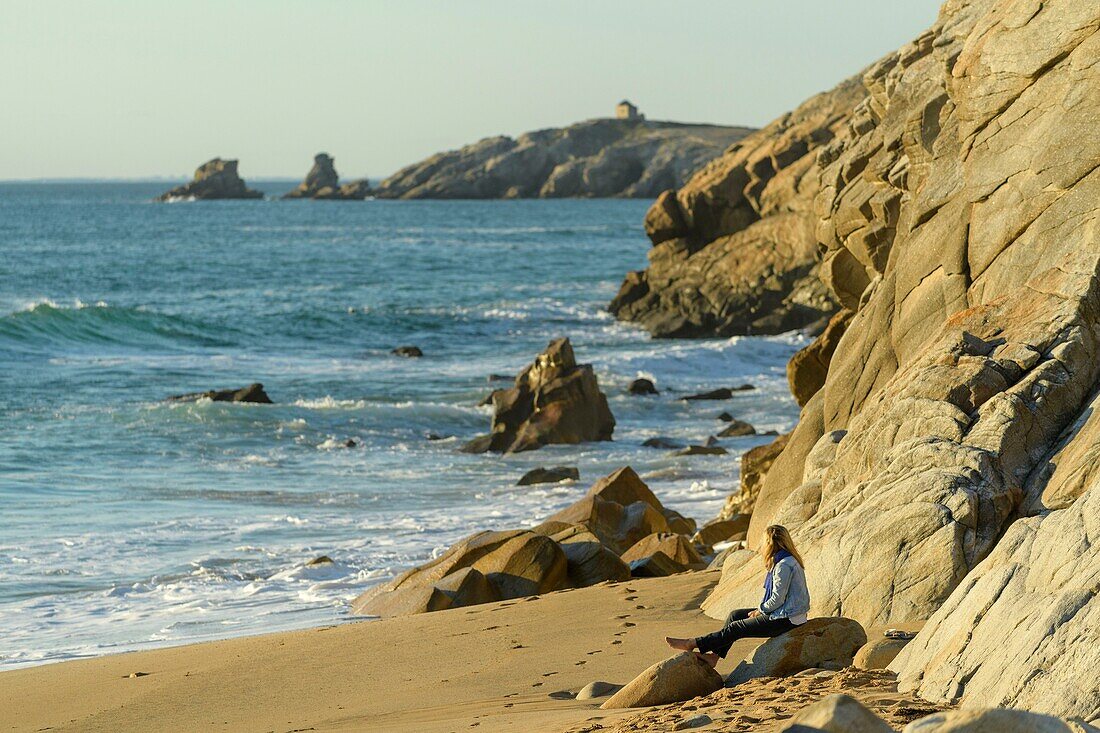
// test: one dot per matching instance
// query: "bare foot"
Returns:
(684, 645)
(710, 658)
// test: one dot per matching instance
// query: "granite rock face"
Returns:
(597, 158)
(214, 179)
(735, 249)
(958, 212)
(322, 182)
(554, 400)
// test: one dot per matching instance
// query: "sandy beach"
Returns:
(508, 666)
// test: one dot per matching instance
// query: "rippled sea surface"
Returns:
(128, 522)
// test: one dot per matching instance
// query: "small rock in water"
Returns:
(549, 475)
(725, 417)
(409, 352)
(252, 393)
(737, 428)
(662, 443)
(436, 436)
(322, 560)
(500, 378)
(711, 441)
(642, 387)
(598, 688)
(744, 387)
(723, 393)
(351, 443)
(702, 450)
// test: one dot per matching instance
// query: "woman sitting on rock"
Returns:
(785, 605)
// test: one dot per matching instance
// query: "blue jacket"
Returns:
(789, 597)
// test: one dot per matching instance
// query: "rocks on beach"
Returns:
(554, 400)
(252, 393)
(675, 679)
(214, 179)
(579, 546)
(322, 182)
(826, 642)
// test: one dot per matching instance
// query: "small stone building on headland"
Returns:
(624, 110)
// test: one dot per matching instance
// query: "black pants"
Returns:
(740, 626)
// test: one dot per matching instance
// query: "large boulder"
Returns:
(322, 182)
(837, 713)
(554, 400)
(820, 642)
(588, 561)
(620, 510)
(995, 721)
(481, 568)
(676, 679)
(214, 179)
(676, 547)
(878, 653)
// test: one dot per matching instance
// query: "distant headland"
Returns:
(626, 156)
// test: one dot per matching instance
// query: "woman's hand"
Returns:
(754, 614)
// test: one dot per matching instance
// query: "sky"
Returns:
(152, 88)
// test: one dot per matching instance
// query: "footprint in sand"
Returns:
(490, 628)
(577, 664)
(537, 684)
(549, 674)
(625, 615)
(640, 607)
(629, 625)
(598, 651)
(632, 598)
(617, 641)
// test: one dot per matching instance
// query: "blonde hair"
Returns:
(776, 538)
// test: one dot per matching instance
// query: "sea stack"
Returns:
(214, 179)
(554, 400)
(322, 182)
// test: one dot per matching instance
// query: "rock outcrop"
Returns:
(735, 249)
(252, 393)
(214, 179)
(554, 400)
(598, 158)
(956, 204)
(675, 679)
(322, 182)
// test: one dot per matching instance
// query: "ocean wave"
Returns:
(47, 323)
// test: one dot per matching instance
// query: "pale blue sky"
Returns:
(117, 88)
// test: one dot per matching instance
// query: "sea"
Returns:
(129, 522)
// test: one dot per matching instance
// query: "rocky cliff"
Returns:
(322, 182)
(735, 250)
(945, 468)
(596, 158)
(214, 179)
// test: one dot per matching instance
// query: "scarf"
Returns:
(781, 555)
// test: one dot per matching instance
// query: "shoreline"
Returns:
(510, 665)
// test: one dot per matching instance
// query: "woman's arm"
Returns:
(781, 584)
